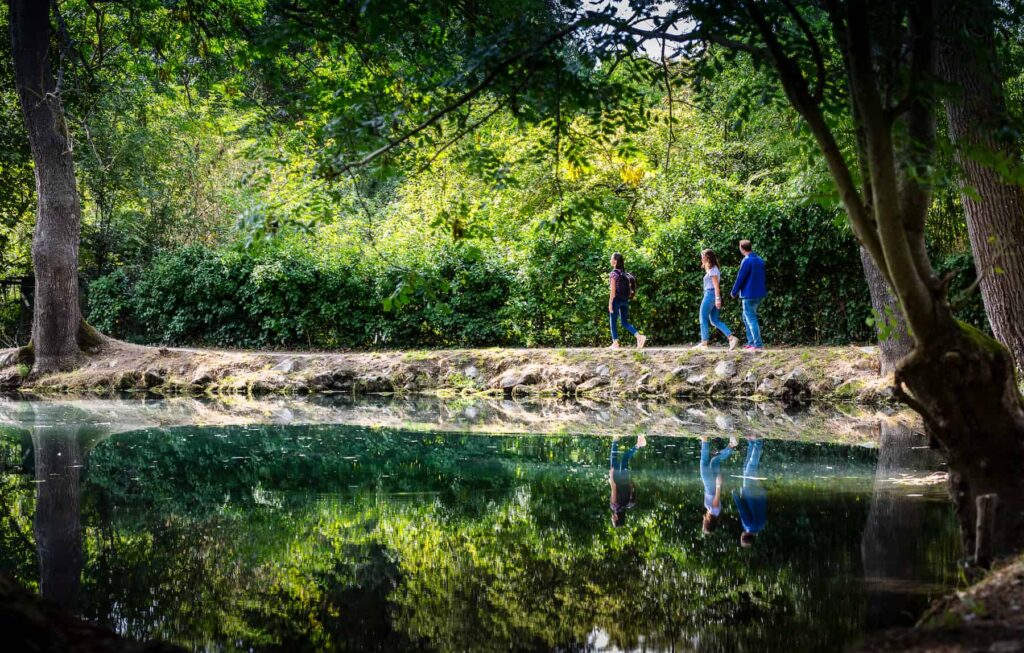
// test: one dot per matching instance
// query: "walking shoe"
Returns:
(641, 340)
(700, 345)
(733, 341)
(614, 345)
(749, 347)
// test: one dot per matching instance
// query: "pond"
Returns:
(243, 526)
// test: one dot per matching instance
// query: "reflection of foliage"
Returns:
(314, 538)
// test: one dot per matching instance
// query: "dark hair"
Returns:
(710, 522)
(746, 246)
(710, 255)
(620, 261)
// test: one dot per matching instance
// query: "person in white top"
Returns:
(712, 302)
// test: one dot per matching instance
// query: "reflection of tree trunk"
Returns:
(897, 343)
(890, 546)
(58, 527)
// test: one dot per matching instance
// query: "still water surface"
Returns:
(314, 537)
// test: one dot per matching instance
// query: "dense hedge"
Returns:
(552, 291)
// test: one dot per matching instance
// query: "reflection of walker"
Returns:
(711, 476)
(751, 499)
(623, 491)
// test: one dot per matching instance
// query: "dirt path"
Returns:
(790, 374)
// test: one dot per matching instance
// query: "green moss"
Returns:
(981, 339)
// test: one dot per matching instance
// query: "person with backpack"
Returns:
(622, 288)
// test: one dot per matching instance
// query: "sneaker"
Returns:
(733, 341)
(700, 346)
(749, 347)
(641, 340)
(614, 345)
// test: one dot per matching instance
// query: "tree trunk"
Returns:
(56, 317)
(994, 208)
(57, 521)
(893, 341)
(963, 384)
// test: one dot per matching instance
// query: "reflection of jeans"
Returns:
(620, 308)
(750, 321)
(709, 314)
(617, 463)
(752, 500)
(710, 468)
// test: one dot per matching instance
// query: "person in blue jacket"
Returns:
(751, 500)
(750, 287)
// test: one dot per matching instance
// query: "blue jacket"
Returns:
(750, 280)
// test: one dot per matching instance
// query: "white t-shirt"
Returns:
(708, 283)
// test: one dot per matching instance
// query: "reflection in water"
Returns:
(58, 456)
(751, 499)
(892, 551)
(58, 528)
(623, 490)
(711, 477)
(323, 538)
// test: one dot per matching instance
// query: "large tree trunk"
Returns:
(962, 382)
(893, 340)
(994, 208)
(57, 316)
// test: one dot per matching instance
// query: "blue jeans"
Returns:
(750, 321)
(752, 500)
(710, 469)
(709, 315)
(620, 308)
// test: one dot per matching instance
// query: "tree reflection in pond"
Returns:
(343, 538)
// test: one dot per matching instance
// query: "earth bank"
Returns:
(840, 374)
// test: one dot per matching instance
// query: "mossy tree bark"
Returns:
(56, 314)
(976, 113)
(959, 380)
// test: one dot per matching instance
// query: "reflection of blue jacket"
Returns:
(750, 281)
(751, 500)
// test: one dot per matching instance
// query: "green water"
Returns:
(322, 538)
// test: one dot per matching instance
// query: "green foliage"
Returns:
(552, 292)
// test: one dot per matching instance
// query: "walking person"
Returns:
(621, 288)
(751, 288)
(623, 490)
(712, 302)
(751, 499)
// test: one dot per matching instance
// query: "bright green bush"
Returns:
(550, 291)
(816, 290)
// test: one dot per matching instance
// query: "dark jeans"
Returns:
(620, 309)
(620, 463)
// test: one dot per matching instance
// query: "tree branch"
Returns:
(812, 41)
(477, 89)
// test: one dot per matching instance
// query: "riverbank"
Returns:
(988, 616)
(839, 374)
